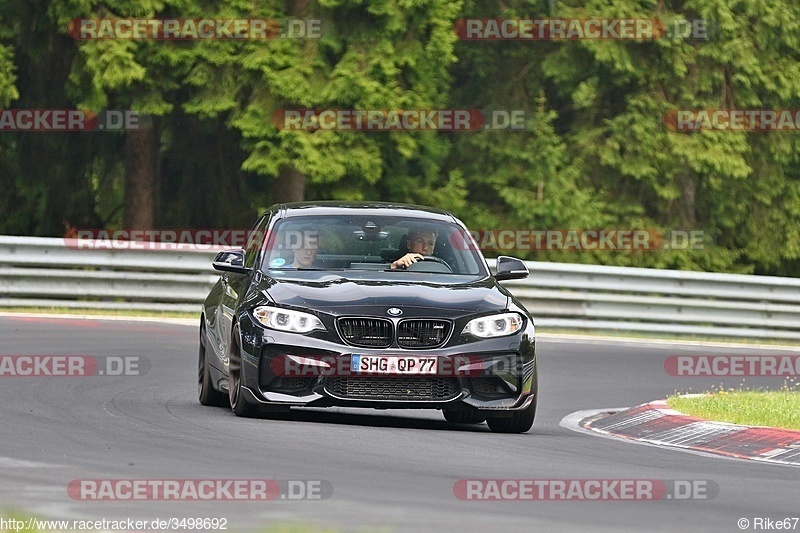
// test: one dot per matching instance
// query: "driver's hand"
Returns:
(406, 261)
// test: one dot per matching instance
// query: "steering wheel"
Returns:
(433, 259)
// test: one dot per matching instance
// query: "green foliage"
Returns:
(8, 89)
(595, 152)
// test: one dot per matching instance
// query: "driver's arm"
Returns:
(406, 261)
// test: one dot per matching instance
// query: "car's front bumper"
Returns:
(283, 370)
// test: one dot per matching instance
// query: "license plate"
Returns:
(391, 364)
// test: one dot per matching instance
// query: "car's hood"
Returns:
(337, 295)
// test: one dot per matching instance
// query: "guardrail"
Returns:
(52, 273)
(57, 273)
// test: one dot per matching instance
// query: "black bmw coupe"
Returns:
(370, 305)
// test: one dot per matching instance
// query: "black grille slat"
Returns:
(408, 389)
(379, 333)
(422, 333)
(367, 332)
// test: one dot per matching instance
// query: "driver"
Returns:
(421, 242)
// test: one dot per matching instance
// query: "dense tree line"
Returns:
(595, 152)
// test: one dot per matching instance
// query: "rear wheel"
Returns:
(519, 422)
(463, 417)
(238, 402)
(206, 392)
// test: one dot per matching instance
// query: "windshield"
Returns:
(360, 243)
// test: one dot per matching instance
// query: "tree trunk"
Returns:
(689, 196)
(141, 158)
(290, 186)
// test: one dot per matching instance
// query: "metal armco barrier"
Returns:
(49, 272)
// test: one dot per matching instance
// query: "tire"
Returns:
(519, 422)
(238, 402)
(206, 392)
(463, 417)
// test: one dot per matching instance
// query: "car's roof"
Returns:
(323, 208)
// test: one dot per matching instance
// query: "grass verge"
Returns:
(780, 408)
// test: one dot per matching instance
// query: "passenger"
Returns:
(305, 251)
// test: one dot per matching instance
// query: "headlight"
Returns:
(494, 325)
(287, 320)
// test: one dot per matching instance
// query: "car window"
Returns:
(368, 243)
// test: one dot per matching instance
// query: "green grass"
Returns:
(99, 312)
(780, 408)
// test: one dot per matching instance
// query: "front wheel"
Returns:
(238, 402)
(519, 422)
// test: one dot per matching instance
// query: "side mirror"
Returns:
(230, 261)
(510, 268)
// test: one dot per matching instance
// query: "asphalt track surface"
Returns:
(390, 470)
